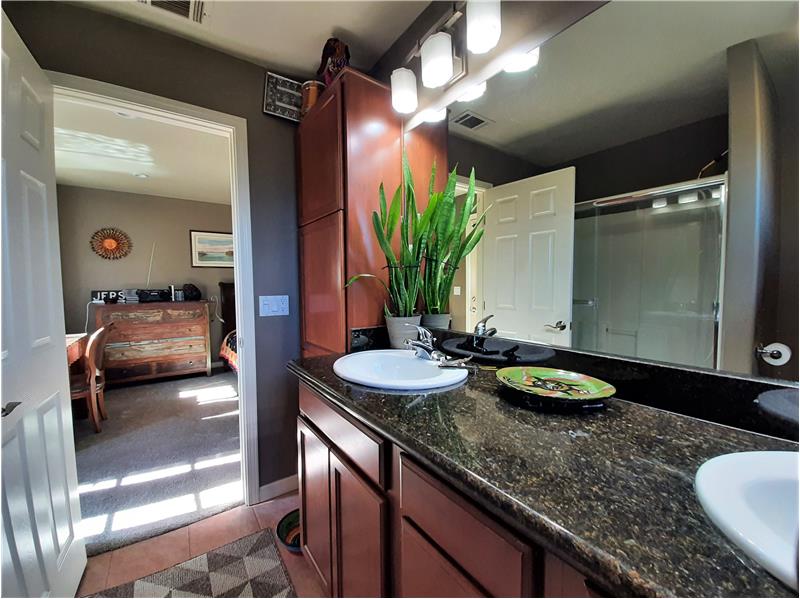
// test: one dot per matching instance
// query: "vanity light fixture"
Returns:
(522, 62)
(404, 90)
(437, 60)
(434, 116)
(687, 198)
(660, 203)
(483, 25)
(473, 93)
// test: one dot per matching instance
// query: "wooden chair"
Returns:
(90, 384)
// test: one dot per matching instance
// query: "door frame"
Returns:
(234, 129)
(473, 271)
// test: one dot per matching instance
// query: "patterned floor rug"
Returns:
(249, 567)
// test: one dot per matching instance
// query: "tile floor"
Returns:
(146, 557)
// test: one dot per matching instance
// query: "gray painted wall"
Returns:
(668, 157)
(147, 219)
(751, 289)
(787, 325)
(75, 40)
(491, 165)
(660, 159)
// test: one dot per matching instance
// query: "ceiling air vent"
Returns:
(470, 120)
(187, 9)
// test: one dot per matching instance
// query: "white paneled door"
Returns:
(527, 257)
(42, 554)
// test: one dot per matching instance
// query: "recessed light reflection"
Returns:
(95, 144)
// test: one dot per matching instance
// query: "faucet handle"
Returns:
(424, 334)
(480, 327)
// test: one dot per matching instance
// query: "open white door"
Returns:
(41, 553)
(527, 257)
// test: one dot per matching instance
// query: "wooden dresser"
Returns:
(153, 340)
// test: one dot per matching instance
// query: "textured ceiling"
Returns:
(628, 70)
(96, 147)
(285, 36)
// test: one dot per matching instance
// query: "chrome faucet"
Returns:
(424, 347)
(481, 332)
(480, 328)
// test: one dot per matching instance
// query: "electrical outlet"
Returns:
(456, 290)
(273, 305)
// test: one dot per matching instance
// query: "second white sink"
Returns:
(752, 498)
(395, 369)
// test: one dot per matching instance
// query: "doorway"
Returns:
(223, 397)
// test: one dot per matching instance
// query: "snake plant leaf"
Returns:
(382, 202)
(382, 241)
(394, 213)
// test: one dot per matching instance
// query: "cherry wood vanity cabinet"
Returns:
(343, 510)
(375, 522)
(347, 145)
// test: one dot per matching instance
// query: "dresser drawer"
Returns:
(486, 552)
(139, 314)
(361, 446)
(149, 332)
(155, 350)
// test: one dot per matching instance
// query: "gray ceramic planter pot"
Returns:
(399, 329)
(436, 321)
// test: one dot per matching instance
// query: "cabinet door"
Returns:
(315, 515)
(561, 580)
(426, 572)
(320, 158)
(358, 531)
(322, 285)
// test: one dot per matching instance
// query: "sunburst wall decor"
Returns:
(111, 243)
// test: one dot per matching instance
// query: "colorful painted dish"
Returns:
(555, 383)
(289, 531)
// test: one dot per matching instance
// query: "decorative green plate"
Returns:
(554, 383)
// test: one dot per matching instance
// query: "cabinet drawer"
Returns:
(497, 560)
(426, 572)
(362, 447)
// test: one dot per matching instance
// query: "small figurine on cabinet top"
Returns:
(335, 56)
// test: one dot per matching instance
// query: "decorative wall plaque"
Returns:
(282, 97)
(111, 243)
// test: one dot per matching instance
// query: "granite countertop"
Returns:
(612, 491)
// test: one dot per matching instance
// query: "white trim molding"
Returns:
(113, 97)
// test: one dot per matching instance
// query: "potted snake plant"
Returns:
(448, 243)
(405, 273)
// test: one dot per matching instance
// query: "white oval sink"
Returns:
(752, 498)
(395, 369)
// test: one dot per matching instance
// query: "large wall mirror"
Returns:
(643, 183)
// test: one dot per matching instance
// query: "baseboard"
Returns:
(277, 488)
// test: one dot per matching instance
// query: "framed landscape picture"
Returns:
(211, 249)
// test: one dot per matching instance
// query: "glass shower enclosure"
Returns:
(648, 270)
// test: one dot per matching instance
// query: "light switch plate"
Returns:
(273, 305)
(456, 290)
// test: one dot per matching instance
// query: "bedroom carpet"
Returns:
(168, 456)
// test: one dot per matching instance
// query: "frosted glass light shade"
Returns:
(483, 25)
(522, 62)
(473, 93)
(437, 60)
(434, 116)
(404, 91)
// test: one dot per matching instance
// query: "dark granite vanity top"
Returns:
(610, 491)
